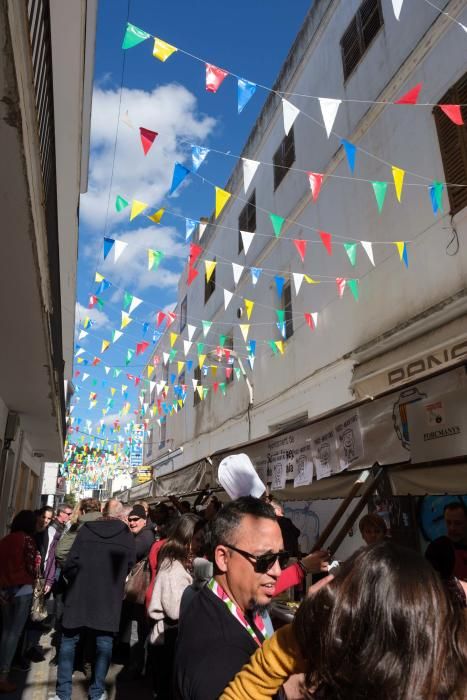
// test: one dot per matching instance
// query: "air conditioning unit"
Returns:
(12, 426)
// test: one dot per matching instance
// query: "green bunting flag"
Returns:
(380, 188)
(133, 36)
(222, 339)
(154, 258)
(129, 356)
(120, 203)
(206, 326)
(223, 388)
(353, 285)
(200, 348)
(277, 223)
(280, 315)
(127, 299)
(351, 250)
(273, 346)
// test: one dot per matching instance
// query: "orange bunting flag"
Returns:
(316, 180)
(327, 242)
(410, 97)
(147, 138)
(301, 248)
(214, 77)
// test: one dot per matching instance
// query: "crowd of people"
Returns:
(182, 593)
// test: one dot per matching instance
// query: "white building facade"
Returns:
(360, 348)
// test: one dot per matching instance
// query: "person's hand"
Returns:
(319, 584)
(47, 588)
(316, 562)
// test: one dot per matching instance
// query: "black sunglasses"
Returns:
(133, 520)
(263, 562)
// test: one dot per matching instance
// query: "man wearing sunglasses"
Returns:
(227, 620)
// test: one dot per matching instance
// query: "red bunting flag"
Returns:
(95, 361)
(410, 97)
(77, 373)
(147, 138)
(160, 317)
(309, 320)
(171, 318)
(141, 347)
(316, 180)
(340, 281)
(192, 274)
(228, 372)
(137, 380)
(92, 301)
(327, 242)
(454, 113)
(214, 77)
(301, 248)
(215, 386)
(195, 252)
(227, 354)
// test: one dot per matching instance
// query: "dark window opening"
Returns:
(183, 313)
(196, 375)
(284, 158)
(247, 220)
(287, 306)
(210, 286)
(360, 33)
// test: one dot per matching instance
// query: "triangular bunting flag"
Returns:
(173, 339)
(277, 223)
(202, 227)
(191, 331)
(137, 208)
(340, 281)
(126, 320)
(126, 120)
(214, 77)
(380, 188)
(165, 356)
(280, 281)
(108, 245)
(436, 196)
(353, 286)
(119, 248)
(200, 391)
(249, 307)
(311, 319)
(249, 171)
(255, 274)
(187, 346)
(289, 113)
(454, 113)
(179, 174)
(160, 316)
(82, 334)
(206, 327)
(297, 280)
(162, 50)
(397, 6)
(135, 302)
(402, 249)
(157, 216)
(368, 248)
(350, 152)
(326, 239)
(301, 248)
(227, 298)
(154, 258)
(190, 225)
(245, 92)
(273, 347)
(245, 327)
(329, 109)
(198, 154)
(141, 347)
(316, 180)
(237, 272)
(201, 359)
(410, 97)
(147, 138)
(195, 252)
(398, 175)
(120, 203)
(133, 36)
(247, 238)
(192, 274)
(210, 266)
(280, 346)
(351, 250)
(222, 197)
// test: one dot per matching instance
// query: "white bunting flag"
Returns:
(107, 370)
(152, 386)
(85, 376)
(119, 247)
(237, 272)
(227, 298)
(249, 170)
(290, 113)
(79, 352)
(191, 331)
(202, 229)
(82, 334)
(297, 280)
(397, 7)
(126, 120)
(314, 316)
(368, 248)
(329, 109)
(117, 335)
(195, 384)
(247, 238)
(186, 346)
(135, 302)
(166, 356)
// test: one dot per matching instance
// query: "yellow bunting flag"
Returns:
(249, 307)
(201, 359)
(400, 247)
(200, 391)
(222, 197)
(136, 208)
(180, 403)
(173, 338)
(126, 320)
(157, 216)
(245, 327)
(210, 266)
(180, 366)
(310, 280)
(105, 345)
(112, 390)
(214, 370)
(398, 175)
(162, 50)
(280, 346)
(98, 277)
(150, 371)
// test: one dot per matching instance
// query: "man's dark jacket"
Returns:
(96, 568)
(212, 647)
(144, 541)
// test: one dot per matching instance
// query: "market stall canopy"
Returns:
(193, 478)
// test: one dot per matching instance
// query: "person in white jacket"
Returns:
(172, 578)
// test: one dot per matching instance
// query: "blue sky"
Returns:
(251, 38)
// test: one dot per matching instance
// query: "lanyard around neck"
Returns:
(239, 615)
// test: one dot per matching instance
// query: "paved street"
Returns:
(39, 682)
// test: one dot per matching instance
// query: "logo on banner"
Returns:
(399, 414)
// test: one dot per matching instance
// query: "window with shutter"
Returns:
(360, 33)
(453, 146)
(284, 158)
(210, 286)
(287, 306)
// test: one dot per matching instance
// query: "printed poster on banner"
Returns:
(136, 449)
(349, 441)
(325, 452)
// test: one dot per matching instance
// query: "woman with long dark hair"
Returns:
(172, 578)
(383, 629)
(19, 561)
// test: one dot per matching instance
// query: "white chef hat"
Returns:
(238, 477)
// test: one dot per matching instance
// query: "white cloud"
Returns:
(99, 317)
(171, 111)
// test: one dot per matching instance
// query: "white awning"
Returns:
(196, 477)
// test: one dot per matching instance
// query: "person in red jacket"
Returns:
(18, 554)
